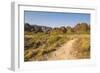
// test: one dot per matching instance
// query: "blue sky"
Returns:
(55, 19)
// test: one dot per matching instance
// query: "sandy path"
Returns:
(64, 52)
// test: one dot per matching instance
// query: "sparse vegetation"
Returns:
(40, 42)
(82, 47)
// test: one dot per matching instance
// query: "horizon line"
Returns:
(58, 26)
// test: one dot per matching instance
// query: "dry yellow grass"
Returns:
(41, 45)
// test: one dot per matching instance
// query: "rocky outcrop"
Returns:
(82, 27)
(36, 28)
(79, 28)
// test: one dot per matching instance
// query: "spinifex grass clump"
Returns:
(82, 47)
(41, 42)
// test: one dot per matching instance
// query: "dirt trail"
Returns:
(64, 52)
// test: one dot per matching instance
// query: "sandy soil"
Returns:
(64, 52)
